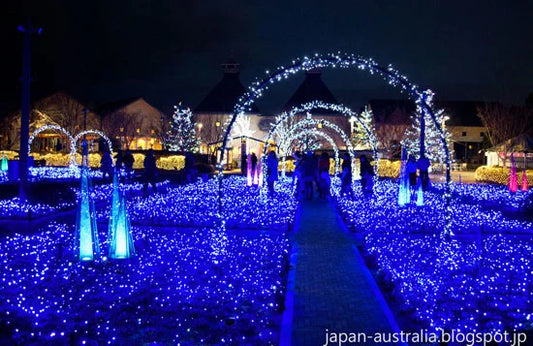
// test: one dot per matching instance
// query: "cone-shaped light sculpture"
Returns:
(404, 195)
(513, 178)
(525, 184)
(120, 239)
(87, 245)
(420, 193)
(249, 178)
(4, 166)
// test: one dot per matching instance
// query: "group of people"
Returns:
(125, 161)
(310, 170)
(422, 165)
(366, 172)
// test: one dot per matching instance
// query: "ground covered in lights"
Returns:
(192, 283)
(479, 280)
(181, 287)
(187, 285)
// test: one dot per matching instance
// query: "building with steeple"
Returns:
(217, 107)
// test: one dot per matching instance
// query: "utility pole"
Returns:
(27, 30)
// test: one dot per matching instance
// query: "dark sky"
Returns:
(171, 50)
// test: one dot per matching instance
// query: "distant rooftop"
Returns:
(223, 97)
(114, 106)
(312, 88)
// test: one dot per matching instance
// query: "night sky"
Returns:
(169, 51)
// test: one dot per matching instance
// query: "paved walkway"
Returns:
(332, 289)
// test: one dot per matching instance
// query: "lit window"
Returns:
(138, 130)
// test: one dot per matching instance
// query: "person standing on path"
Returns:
(253, 159)
(128, 160)
(423, 168)
(150, 171)
(323, 175)
(272, 172)
(346, 175)
(367, 175)
(309, 172)
(106, 165)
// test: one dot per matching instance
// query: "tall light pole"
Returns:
(27, 30)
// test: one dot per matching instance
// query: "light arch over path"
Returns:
(55, 127)
(422, 99)
(297, 131)
(94, 132)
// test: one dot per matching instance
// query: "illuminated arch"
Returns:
(306, 107)
(57, 128)
(422, 99)
(95, 132)
(294, 135)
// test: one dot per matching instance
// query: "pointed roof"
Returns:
(223, 97)
(312, 88)
(114, 106)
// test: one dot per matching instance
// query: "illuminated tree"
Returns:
(432, 135)
(360, 138)
(182, 135)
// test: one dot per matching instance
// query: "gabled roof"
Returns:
(114, 106)
(312, 88)
(223, 97)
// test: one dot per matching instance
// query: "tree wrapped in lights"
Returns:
(360, 137)
(281, 132)
(431, 135)
(243, 127)
(182, 135)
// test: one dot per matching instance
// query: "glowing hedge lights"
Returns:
(317, 61)
(119, 234)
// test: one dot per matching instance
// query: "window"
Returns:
(464, 134)
(482, 134)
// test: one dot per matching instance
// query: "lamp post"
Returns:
(217, 128)
(27, 30)
(163, 145)
(199, 134)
